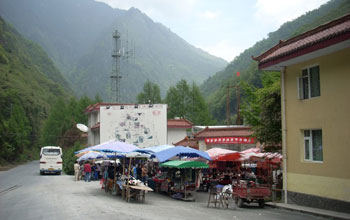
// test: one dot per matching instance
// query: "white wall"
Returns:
(144, 126)
(176, 134)
(93, 136)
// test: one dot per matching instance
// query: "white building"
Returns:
(178, 129)
(142, 125)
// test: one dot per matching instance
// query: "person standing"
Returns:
(144, 173)
(87, 171)
(93, 170)
(134, 171)
(76, 171)
(97, 171)
(81, 171)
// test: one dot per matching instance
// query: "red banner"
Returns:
(230, 140)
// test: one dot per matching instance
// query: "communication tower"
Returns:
(116, 76)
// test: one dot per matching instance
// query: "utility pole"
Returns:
(238, 97)
(238, 93)
(228, 120)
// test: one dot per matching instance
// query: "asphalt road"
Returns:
(24, 194)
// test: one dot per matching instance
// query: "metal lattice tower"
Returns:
(117, 54)
(116, 75)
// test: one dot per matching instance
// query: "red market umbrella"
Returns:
(229, 157)
(215, 152)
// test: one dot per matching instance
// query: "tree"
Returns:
(150, 94)
(69, 158)
(59, 128)
(188, 102)
(262, 109)
(198, 110)
(55, 124)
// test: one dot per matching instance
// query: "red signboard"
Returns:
(230, 140)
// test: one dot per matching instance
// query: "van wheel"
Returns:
(261, 203)
(41, 172)
(240, 202)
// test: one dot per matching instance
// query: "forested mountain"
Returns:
(78, 37)
(29, 85)
(215, 87)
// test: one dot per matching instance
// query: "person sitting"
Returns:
(250, 176)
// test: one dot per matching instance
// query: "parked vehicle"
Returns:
(249, 193)
(51, 160)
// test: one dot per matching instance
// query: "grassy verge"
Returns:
(26, 156)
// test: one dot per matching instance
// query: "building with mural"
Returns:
(143, 125)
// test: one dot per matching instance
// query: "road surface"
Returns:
(24, 194)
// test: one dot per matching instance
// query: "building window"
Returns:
(313, 150)
(309, 83)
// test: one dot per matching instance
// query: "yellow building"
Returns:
(315, 90)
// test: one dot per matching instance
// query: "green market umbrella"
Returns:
(182, 164)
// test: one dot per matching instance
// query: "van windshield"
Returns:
(51, 152)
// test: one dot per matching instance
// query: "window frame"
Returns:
(310, 148)
(300, 82)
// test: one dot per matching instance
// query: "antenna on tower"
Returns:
(116, 76)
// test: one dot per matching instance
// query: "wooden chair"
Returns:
(216, 197)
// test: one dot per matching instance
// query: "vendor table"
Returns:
(136, 192)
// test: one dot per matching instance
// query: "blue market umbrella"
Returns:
(154, 149)
(112, 146)
(92, 155)
(179, 151)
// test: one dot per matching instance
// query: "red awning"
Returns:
(229, 157)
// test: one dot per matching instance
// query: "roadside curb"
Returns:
(308, 210)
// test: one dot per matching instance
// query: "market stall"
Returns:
(113, 149)
(131, 187)
(224, 167)
(174, 179)
(182, 178)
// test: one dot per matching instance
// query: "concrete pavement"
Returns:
(313, 211)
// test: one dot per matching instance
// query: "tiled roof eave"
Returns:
(96, 126)
(179, 126)
(329, 37)
(222, 135)
(308, 48)
(319, 29)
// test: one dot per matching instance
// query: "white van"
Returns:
(50, 160)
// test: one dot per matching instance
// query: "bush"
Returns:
(69, 158)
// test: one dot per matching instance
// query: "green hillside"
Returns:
(215, 87)
(29, 85)
(77, 35)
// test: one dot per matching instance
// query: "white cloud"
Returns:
(223, 49)
(277, 12)
(209, 15)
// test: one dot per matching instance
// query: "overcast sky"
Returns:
(224, 28)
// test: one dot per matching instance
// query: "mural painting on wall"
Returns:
(142, 126)
(134, 129)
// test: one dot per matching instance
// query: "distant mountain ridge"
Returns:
(78, 37)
